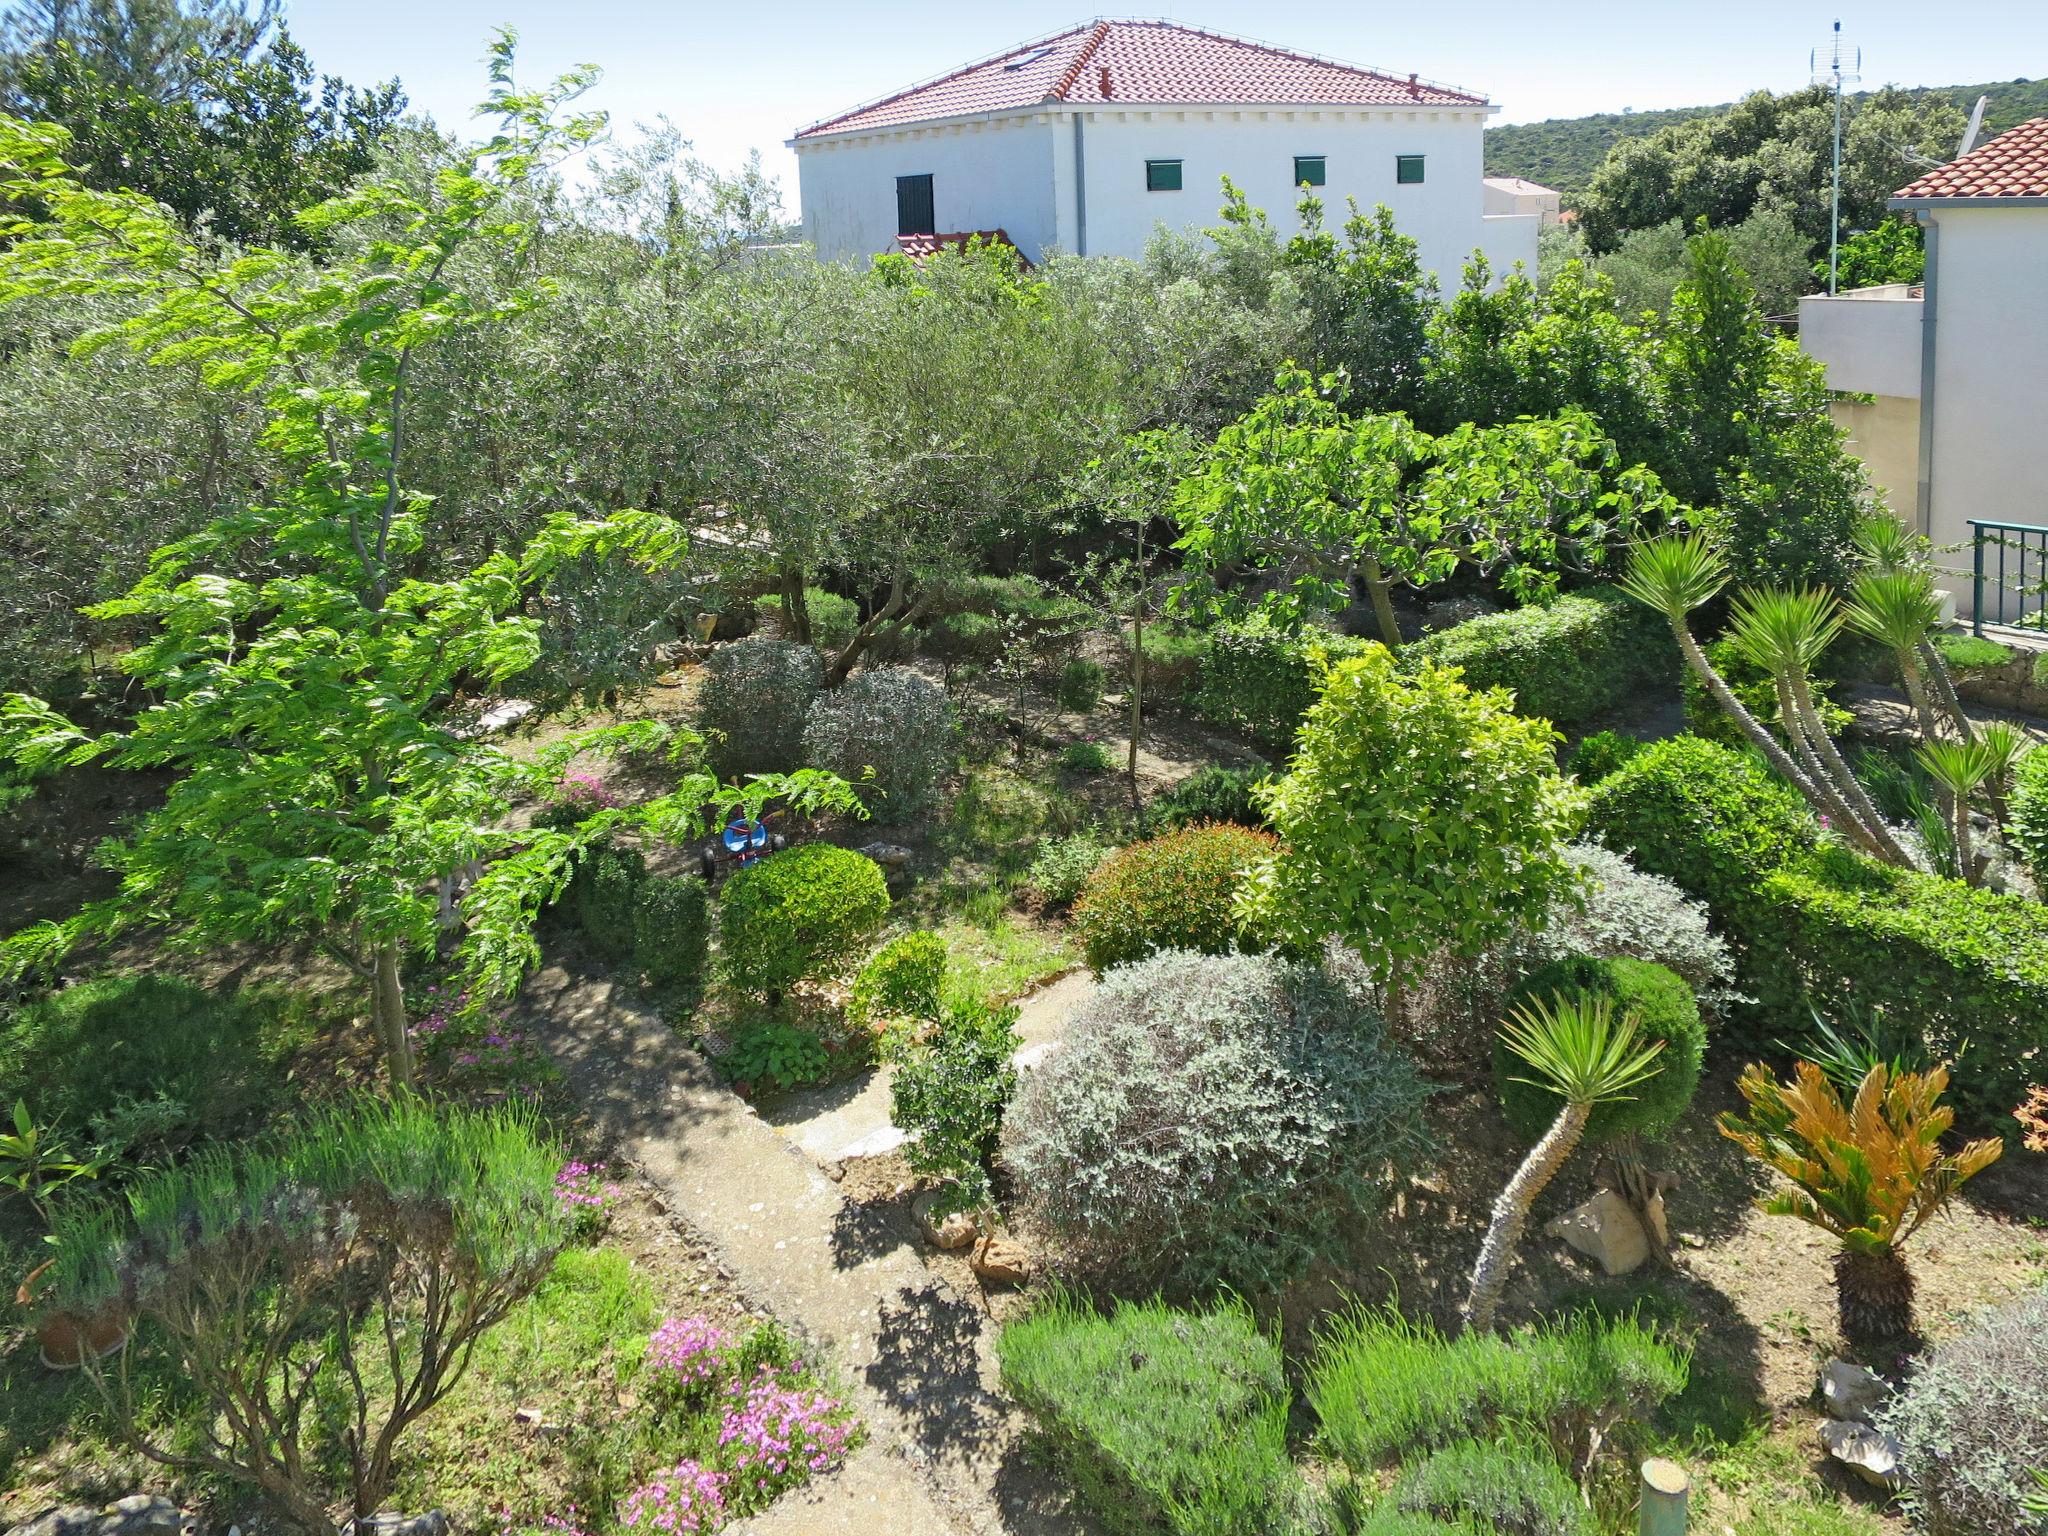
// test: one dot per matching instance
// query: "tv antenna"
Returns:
(1834, 65)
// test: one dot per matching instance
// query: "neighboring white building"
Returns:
(1091, 139)
(1957, 366)
(1517, 194)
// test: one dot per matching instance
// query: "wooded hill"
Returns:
(1563, 152)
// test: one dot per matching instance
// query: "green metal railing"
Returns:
(2009, 575)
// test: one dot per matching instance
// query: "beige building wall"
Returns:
(1884, 432)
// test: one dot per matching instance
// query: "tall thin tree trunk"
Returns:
(1846, 782)
(1380, 590)
(1758, 734)
(1511, 1212)
(388, 1010)
(1945, 690)
(796, 607)
(1137, 692)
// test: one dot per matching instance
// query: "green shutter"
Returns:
(1308, 170)
(1408, 170)
(1162, 175)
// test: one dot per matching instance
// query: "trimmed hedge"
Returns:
(605, 892)
(1260, 679)
(1968, 968)
(1176, 891)
(1568, 661)
(798, 914)
(1668, 1011)
(2028, 830)
(672, 928)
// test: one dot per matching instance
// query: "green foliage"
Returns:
(1384, 1388)
(949, 1091)
(797, 915)
(833, 618)
(1668, 1013)
(672, 929)
(1891, 251)
(1420, 815)
(772, 1050)
(103, 1047)
(973, 638)
(1260, 678)
(1648, 267)
(2027, 826)
(1211, 793)
(889, 733)
(1968, 968)
(901, 981)
(1080, 685)
(756, 695)
(1215, 1118)
(1597, 756)
(1062, 865)
(1972, 1425)
(606, 894)
(1513, 1488)
(1085, 758)
(1162, 1420)
(1175, 891)
(1967, 653)
(1567, 661)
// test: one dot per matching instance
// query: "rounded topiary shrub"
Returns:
(1214, 1119)
(890, 722)
(1177, 891)
(1972, 1426)
(751, 708)
(1212, 793)
(672, 928)
(605, 892)
(901, 980)
(1668, 1011)
(798, 915)
(2027, 827)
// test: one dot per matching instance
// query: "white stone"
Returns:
(1606, 1230)
(874, 1144)
(1869, 1453)
(1851, 1392)
(1031, 1056)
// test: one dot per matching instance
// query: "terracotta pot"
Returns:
(66, 1338)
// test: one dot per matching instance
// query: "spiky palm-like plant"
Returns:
(1960, 768)
(1578, 1049)
(1887, 544)
(1870, 1172)
(1898, 609)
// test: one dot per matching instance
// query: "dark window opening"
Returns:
(914, 206)
(1408, 170)
(1308, 170)
(1162, 175)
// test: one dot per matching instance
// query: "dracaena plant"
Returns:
(321, 781)
(1869, 1171)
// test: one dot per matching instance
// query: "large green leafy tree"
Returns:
(323, 781)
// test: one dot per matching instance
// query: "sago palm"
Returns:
(1870, 1172)
(1578, 1049)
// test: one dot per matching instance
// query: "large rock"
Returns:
(1871, 1454)
(63, 1520)
(955, 1230)
(1850, 1392)
(1606, 1230)
(140, 1514)
(1002, 1262)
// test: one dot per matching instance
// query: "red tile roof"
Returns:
(917, 247)
(1153, 63)
(2015, 164)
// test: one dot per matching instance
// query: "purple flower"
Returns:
(781, 1432)
(685, 1500)
(689, 1350)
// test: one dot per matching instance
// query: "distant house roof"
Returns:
(2013, 165)
(1152, 63)
(917, 247)
(1521, 186)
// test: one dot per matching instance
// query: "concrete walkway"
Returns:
(944, 1453)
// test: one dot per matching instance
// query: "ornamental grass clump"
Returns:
(1870, 1173)
(1178, 891)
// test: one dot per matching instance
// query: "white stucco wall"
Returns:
(1868, 339)
(1990, 371)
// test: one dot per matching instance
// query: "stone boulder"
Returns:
(1850, 1392)
(956, 1230)
(1871, 1454)
(1001, 1262)
(1605, 1230)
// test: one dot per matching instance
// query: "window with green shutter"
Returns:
(1308, 170)
(1408, 169)
(1162, 175)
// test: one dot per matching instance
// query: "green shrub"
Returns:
(142, 1058)
(1972, 1425)
(605, 893)
(1215, 1118)
(970, 639)
(1162, 1420)
(797, 915)
(889, 733)
(1080, 685)
(1967, 968)
(1062, 865)
(672, 929)
(1506, 1486)
(1668, 1012)
(1968, 653)
(2027, 829)
(1173, 660)
(1176, 891)
(1384, 1388)
(1600, 754)
(833, 618)
(1086, 758)
(776, 1052)
(1260, 679)
(949, 1091)
(1211, 793)
(753, 703)
(901, 981)
(1568, 661)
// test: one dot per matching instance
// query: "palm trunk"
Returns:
(1916, 689)
(1945, 690)
(1759, 736)
(1511, 1212)
(1380, 590)
(1846, 782)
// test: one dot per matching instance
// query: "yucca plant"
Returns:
(1960, 768)
(1870, 1172)
(1886, 544)
(1898, 609)
(1578, 1049)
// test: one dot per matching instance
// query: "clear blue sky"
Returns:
(744, 74)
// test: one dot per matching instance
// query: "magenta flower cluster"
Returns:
(581, 1187)
(683, 1501)
(781, 1431)
(586, 792)
(689, 1350)
(476, 1049)
(568, 1523)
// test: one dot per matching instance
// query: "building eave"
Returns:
(1910, 203)
(1062, 110)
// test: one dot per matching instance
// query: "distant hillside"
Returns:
(1564, 151)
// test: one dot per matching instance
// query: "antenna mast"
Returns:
(1839, 67)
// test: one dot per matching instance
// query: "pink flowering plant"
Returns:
(586, 1197)
(687, 1355)
(778, 1430)
(686, 1499)
(477, 1050)
(585, 792)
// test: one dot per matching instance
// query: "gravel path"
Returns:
(944, 1453)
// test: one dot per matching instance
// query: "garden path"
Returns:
(945, 1449)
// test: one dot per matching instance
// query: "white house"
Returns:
(1091, 139)
(1956, 366)
(1518, 194)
